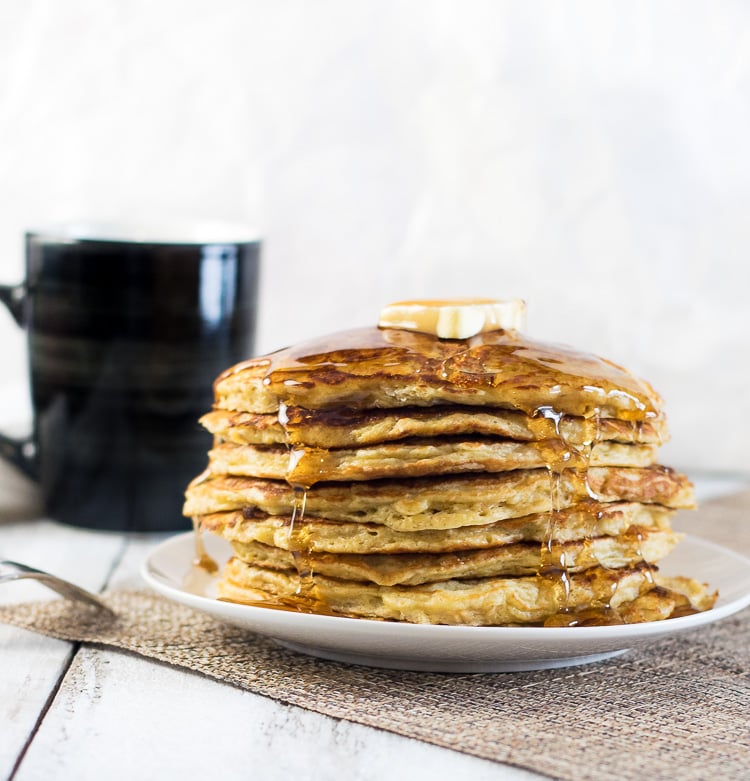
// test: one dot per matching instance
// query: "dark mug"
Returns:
(126, 334)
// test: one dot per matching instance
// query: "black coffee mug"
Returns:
(126, 333)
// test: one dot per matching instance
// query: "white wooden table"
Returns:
(69, 712)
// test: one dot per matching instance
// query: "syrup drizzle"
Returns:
(553, 565)
(199, 576)
(300, 547)
(202, 560)
(300, 476)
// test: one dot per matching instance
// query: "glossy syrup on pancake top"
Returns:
(545, 382)
(385, 367)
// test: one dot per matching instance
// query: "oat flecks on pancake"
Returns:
(443, 502)
(351, 427)
(580, 522)
(487, 481)
(512, 559)
(416, 459)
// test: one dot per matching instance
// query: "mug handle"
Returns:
(14, 297)
(19, 452)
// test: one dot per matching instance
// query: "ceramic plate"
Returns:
(169, 570)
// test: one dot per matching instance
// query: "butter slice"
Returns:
(459, 318)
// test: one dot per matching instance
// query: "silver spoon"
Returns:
(12, 570)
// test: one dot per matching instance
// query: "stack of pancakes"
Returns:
(493, 480)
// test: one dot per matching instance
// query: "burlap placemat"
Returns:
(677, 709)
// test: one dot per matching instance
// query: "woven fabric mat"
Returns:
(677, 709)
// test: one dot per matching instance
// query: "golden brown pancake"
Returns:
(306, 466)
(391, 368)
(515, 559)
(443, 502)
(580, 522)
(476, 602)
(337, 428)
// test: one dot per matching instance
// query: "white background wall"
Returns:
(591, 157)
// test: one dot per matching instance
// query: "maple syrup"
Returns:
(300, 548)
(553, 566)
(349, 368)
(202, 560)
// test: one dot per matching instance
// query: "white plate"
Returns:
(400, 646)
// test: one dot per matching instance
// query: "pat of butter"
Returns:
(458, 318)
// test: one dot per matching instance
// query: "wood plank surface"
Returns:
(32, 665)
(117, 716)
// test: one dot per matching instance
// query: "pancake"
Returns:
(443, 477)
(391, 368)
(411, 458)
(475, 602)
(344, 427)
(515, 559)
(580, 522)
(442, 502)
